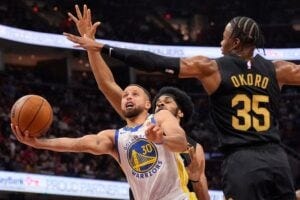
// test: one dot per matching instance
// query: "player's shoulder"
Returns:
(107, 132)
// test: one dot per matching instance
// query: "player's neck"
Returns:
(138, 120)
(244, 53)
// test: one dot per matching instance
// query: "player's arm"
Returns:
(197, 66)
(287, 73)
(101, 143)
(103, 75)
(172, 135)
(196, 172)
(105, 81)
(101, 71)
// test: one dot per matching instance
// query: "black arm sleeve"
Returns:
(144, 60)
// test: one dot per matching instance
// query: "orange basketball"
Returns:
(32, 113)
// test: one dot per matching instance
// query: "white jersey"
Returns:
(153, 172)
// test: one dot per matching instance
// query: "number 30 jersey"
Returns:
(245, 106)
(152, 171)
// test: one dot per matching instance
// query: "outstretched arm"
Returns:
(193, 67)
(287, 73)
(102, 143)
(171, 135)
(103, 75)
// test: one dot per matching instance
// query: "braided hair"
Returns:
(248, 31)
(183, 101)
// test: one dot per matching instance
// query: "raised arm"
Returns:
(287, 73)
(103, 75)
(172, 135)
(101, 143)
(204, 69)
(197, 66)
(105, 81)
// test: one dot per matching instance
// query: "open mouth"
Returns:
(129, 105)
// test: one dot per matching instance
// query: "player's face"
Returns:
(227, 44)
(166, 102)
(134, 101)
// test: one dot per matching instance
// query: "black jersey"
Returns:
(245, 106)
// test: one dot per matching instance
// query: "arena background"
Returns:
(35, 62)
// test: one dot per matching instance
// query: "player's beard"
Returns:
(130, 113)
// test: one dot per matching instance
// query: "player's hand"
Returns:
(193, 168)
(83, 22)
(154, 133)
(23, 137)
(84, 42)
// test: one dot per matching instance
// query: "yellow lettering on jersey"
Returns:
(256, 80)
(242, 79)
(265, 82)
(250, 79)
(235, 81)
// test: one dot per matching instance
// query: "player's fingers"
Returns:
(79, 15)
(84, 11)
(150, 127)
(73, 18)
(95, 25)
(72, 38)
(78, 46)
(191, 151)
(94, 28)
(156, 129)
(18, 133)
(89, 15)
(68, 34)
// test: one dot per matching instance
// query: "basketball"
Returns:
(32, 113)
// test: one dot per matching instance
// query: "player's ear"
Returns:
(236, 42)
(148, 105)
(180, 114)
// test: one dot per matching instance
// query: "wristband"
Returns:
(106, 49)
(144, 60)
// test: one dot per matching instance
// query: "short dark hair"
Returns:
(183, 101)
(145, 91)
(247, 30)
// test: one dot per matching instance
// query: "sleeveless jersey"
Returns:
(245, 106)
(153, 172)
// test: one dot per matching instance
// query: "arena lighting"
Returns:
(59, 41)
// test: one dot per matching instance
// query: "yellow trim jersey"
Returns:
(153, 172)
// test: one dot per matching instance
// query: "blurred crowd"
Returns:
(160, 22)
(81, 109)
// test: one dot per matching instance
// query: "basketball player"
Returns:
(244, 91)
(145, 148)
(169, 98)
